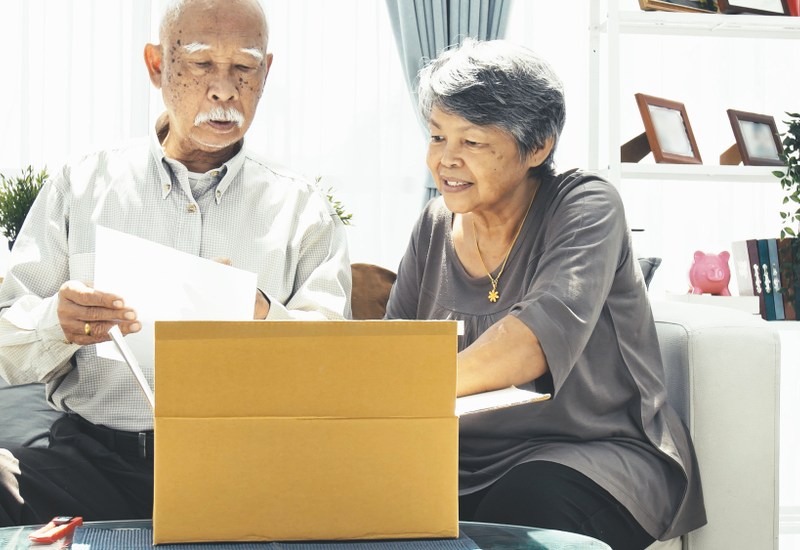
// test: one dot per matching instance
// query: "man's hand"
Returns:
(261, 308)
(86, 315)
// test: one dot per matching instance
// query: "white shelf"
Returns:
(706, 24)
(699, 172)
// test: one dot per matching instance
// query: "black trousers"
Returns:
(553, 496)
(76, 476)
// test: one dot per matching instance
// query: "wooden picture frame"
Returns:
(757, 140)
(696, 6)
(668, 131)
(760, 7)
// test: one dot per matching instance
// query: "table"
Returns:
(488, 536)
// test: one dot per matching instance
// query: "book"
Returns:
(741, 268)
(788, 254)
(768, 312)
(775, 279)
(497, 399)
(755, 272)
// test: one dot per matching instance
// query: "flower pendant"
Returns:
(493, 294)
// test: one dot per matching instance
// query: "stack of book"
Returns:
(770, 269)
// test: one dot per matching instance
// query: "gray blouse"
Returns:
(572, 278)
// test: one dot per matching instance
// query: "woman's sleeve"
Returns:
(404, 297)
(584, 238)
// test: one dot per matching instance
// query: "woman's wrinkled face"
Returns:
(214, 66)
(476, 168)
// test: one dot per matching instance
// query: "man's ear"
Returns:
(537, 157)
(268, 62)
(153, 59)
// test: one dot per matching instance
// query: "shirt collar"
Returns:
(229, 169)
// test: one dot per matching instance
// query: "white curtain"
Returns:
(335, 104)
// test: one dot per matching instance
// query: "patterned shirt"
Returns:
(264, 220)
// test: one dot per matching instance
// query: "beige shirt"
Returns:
(265, 220)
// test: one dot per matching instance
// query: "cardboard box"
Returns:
(305, 430)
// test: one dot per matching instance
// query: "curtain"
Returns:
(335, 104)
(423, 28)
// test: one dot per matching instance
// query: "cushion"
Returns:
(371, 287)
(25, 416)
(649, 266)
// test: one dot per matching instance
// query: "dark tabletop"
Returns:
(486, 536)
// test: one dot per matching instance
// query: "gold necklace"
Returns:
(493, 294)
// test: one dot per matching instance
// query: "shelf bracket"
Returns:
(635, 149)
(731, 156)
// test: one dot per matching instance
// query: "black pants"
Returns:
(553, 496)
(75, 476)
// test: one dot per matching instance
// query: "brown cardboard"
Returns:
(305, 430)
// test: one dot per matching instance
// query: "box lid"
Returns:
(350, 369)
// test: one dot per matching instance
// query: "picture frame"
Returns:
(696, 6)
(759, 7)
(757, 138)
(669, 133)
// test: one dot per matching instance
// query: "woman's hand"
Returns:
(507, 354)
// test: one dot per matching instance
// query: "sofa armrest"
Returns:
(723, 370)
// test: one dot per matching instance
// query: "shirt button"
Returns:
(219, 193)
(191, 208)
(214, 173)
(167, 187)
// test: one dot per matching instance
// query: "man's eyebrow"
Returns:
(255, 52)
(196, 47)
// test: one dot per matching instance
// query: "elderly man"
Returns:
(193, 187)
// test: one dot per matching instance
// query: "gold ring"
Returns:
(87, 329)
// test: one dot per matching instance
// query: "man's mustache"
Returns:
(218, 114)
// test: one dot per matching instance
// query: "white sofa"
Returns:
(723, 371)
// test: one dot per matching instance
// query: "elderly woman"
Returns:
(539, 267)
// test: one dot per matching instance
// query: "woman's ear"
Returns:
(537, 157)
(152, 58)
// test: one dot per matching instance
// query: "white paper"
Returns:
(497, 399)
(130, 359)
(164, 284)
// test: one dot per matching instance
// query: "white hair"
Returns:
(174, 8)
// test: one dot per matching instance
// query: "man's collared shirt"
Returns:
(264, 220)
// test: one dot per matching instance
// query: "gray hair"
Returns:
(497, 83)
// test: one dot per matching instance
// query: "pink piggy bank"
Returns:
(710, 274)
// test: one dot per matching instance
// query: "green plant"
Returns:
(338, 207)
(790, 211)
(790, 179)
(16, 198)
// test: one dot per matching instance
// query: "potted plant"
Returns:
(16, 198)
(790, 179)
(790, 211)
